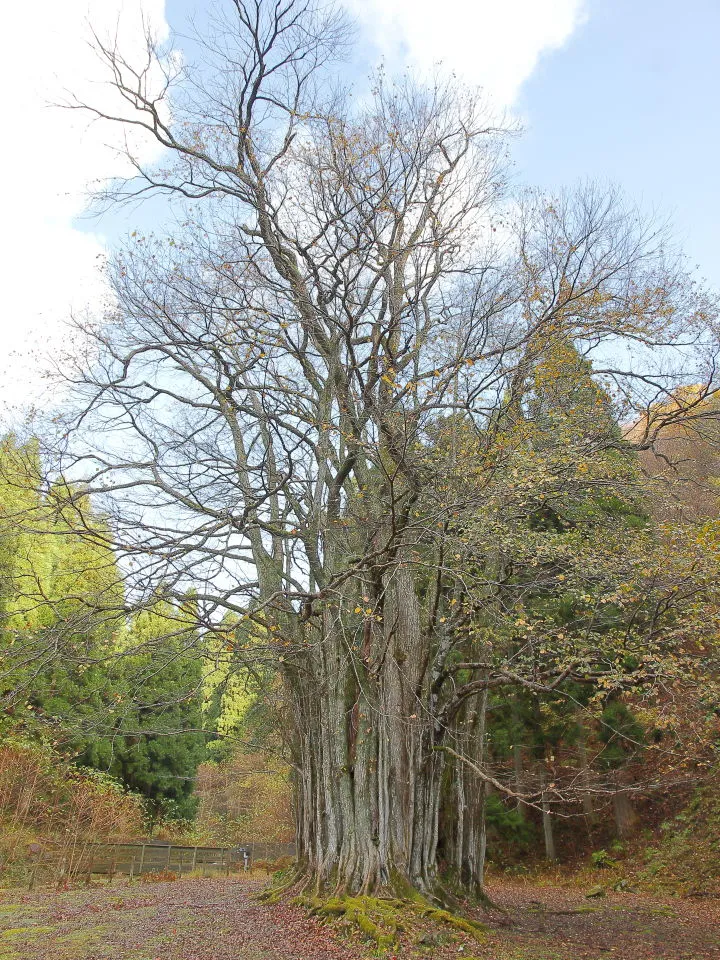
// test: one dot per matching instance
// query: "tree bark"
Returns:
(547, 824)
(367, 778)
(625, 816)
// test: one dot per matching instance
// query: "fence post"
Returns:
(142, 860)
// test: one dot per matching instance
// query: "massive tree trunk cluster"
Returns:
(307, 400)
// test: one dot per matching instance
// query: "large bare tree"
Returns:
(259, 413)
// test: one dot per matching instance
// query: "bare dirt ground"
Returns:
(220, 920)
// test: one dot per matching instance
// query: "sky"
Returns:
(616, 90)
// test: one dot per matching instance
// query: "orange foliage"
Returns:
(50, 811)
(245, 798)
(682, 459)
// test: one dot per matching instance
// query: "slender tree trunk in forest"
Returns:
(465, 837)
(517, 754)
(458, 848)
(625, 816)
(586, 780)
(518, 775)
(540, 752)
(475, 869)
(547, 824)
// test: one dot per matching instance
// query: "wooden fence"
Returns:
(136, 859)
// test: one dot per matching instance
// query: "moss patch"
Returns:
(23, 931)
(381, 920)
(377, 920)
(471, 927)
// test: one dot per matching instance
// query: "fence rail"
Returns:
(136, 859)
(45, 864)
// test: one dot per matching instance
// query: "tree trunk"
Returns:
(518, 775)
(586, 779)
(464, 830)
(358, 829)
(367, 779)
(548, 833)
(625, 816)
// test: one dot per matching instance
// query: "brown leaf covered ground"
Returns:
(220, 920)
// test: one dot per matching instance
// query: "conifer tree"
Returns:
(154, 739)
(122, 696)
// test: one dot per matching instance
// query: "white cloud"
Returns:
(493, 43)
(50, 157)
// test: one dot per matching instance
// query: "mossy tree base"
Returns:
(381, 920)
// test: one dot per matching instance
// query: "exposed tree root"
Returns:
(472, 927)
(490, 904)
(380, 920)
(451, 895)
(283, 883)
(376, 919)
(487, 903)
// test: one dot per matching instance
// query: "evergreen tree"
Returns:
(123, 697)
(156, 741)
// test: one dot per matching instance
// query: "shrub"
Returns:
(50, 811)
(602, 859)
(160, 876)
